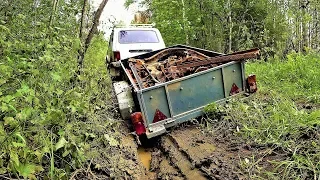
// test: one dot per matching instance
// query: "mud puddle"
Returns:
(144, 155)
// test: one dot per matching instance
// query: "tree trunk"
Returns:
(304, 8)
(298, 32)
(230, 27)
(304, 31)
(185, 21)
(54, 8)
(85, 2)
(91, 33)
(317, 31)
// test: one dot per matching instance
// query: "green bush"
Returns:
(48, 113)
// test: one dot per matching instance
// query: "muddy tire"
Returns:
(124, 98)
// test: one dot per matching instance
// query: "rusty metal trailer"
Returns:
(153, 108)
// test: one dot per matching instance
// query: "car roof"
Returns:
(134, 28)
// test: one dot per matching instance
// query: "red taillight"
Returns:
(116, 55)
(252, 83)
(137, 122)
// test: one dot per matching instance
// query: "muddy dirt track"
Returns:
(184, 153)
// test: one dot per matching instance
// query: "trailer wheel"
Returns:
(124, 97)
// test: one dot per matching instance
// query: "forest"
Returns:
(59, 117)
(276, 27)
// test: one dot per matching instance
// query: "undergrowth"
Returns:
(48, 116)
(297, 77)
(274, 117)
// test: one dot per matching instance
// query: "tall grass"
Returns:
(275, 117)
(297, 77)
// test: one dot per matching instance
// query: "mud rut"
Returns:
(188, 153)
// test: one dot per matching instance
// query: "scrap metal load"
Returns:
(174, 63)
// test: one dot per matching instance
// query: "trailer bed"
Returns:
(166, 104)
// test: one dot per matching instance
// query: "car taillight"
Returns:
(116, 55)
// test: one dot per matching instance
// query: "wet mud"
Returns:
(191, 153)
(187, 152)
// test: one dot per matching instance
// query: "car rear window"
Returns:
(138, 36)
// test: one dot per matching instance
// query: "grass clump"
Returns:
(274, 118)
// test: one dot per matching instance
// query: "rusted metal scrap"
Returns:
(175, 63)
(249, 54)
(183, 52)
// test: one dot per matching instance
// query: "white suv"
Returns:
(131, 41)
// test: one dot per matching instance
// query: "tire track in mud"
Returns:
(188, 153)
(192, 146)
(180, 160)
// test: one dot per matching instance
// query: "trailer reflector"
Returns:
(234, 89)
(158, 116)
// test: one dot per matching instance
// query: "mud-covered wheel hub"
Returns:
(124, 98)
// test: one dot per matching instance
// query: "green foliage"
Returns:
(216, 25)
(276, 27)
(129, 2)
(170, 28)
(212, 110)
(48, 113)
(297, 77)
(279, 115)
